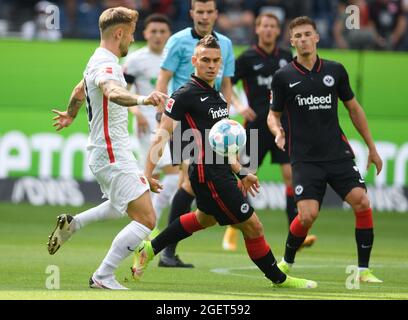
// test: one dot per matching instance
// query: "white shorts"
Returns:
(144, 141)
(121, 183)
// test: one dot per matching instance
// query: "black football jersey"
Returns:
(199, 106)
(311, 101)
(255, 68)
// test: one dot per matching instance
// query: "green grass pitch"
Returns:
(218, 274)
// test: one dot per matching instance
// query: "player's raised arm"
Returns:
(359, 120)
(160, 139)
(65, 118)
(274, 124)
(113, 90)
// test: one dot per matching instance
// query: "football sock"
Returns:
(163, 199)
(364, 236)
(296, 236)
(181, 204)
(291, 210)
(261, 254)
(123, 245)
(104, 211)
(179, 229)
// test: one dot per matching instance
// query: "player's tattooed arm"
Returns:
(113, 90)
(77, 99)
(360, 122)
(276, 128)
(64, 119)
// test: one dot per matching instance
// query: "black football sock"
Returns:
(179, 229)
(292, 245)
(291, 210)
(364, 240)
(180, 205)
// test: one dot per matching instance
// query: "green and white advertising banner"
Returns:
(37, 77)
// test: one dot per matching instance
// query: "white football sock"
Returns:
(163, 199)
(123, 245)
(104, 211)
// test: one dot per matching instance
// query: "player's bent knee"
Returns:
(252, 228)
(361, 203)
(307, 220)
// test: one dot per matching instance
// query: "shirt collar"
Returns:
(316, 68)
(110, 53)
(201, 83)
(264, 54)
(195, 35)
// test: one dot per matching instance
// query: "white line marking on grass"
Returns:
(234, 271)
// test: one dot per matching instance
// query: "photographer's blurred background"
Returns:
(383, 23)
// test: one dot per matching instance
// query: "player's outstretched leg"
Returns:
(179, 229)
(291, 212)
(181, 204)
(261, 254)
(62, 232)
(67, 225)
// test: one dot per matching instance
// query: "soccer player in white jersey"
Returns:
(141, 69)
(110, 157)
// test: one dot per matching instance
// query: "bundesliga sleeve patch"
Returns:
(108, 70)
(169, 105)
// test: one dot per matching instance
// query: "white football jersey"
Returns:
(144, 66)
(108, 122)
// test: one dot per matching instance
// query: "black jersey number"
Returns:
(88, 103)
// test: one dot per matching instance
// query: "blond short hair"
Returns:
(118, 15)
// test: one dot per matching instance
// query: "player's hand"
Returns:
(374, 157)
(280, 139)
(142, 124)
(63, 119)
(248, 114)
(155, 185)
(250, 184)
(157, 98)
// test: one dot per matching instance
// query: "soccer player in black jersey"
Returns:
(255, 67)
(309, 88)
(198, 106)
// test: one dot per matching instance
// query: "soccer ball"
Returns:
(227, 137)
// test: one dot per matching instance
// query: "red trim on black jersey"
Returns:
(297, 68)
(221, 204)
(260, 51)
(106, 130)
(199, 84)
(190, 121)
(320, 65)
(290, 132)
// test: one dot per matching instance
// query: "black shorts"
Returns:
(266, 143)
(310, 178)
(222, 199)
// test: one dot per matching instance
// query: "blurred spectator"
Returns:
(363, 38)
(236, 20)
(390, 22)
(323, 12)
(280, 9)
(40, 28)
